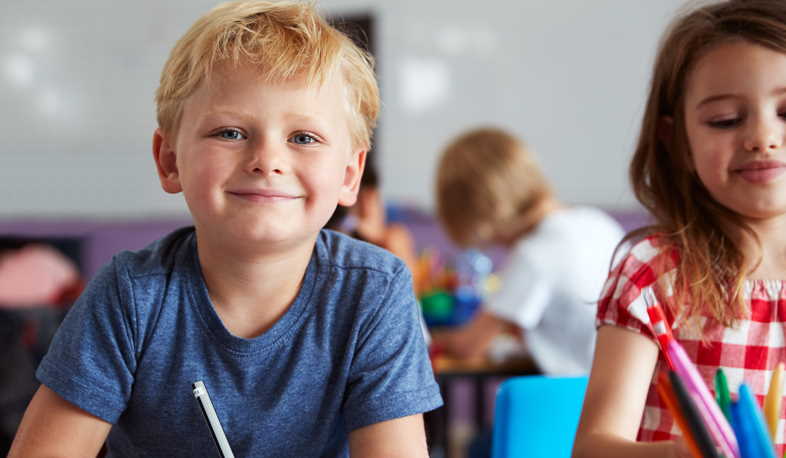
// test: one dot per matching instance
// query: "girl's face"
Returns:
(735, 118)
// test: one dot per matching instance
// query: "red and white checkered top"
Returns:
(748, 352)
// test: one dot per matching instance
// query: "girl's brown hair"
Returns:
(713, 266)
(488, 187)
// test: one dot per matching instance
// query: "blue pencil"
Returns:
(754, 426)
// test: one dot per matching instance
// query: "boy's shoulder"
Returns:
(587, 229)
(341, 251)
(580, 218)
(176, 250)
(159, 257)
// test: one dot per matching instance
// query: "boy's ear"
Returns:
(352, 174)
(166, 163)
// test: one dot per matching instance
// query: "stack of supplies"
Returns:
(720, 426)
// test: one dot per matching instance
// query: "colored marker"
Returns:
(772, 403)
(751, 414)
(713, 418)
(693, 418)
(666, 392)
(722, 393)
(658, 321)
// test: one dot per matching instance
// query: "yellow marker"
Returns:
(772, 403)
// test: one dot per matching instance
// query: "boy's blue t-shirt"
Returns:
(349, 352)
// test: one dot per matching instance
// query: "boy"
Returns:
(308, 342)
(491, 190)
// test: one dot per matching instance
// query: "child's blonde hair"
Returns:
(712, 265)
(488, 186)
(285, 40)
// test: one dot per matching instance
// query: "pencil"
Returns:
(658, 321)
(712, 417)
(743, 430)
(755, 423)
(200, 393)
(693, 419)
(666, 392)
(722, 393)
(772, 403)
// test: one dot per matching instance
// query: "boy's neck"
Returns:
(251, 291)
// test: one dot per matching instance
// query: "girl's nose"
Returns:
(764, 135)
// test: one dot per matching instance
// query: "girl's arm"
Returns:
(53, 427)
(621, 374)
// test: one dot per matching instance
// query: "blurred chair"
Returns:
(39, 279)
(537, 416)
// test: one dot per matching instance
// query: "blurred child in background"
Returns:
(367, 221)
(491, 191)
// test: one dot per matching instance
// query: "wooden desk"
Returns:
(478, 372)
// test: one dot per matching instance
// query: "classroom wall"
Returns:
(77, 81)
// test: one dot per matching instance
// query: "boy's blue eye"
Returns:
(231, 134)
(303, 139)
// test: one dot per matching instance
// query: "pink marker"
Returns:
(716, 422)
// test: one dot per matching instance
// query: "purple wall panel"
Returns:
(102, 239)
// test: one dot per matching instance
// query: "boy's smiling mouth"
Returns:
(263, 195)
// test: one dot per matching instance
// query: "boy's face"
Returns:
(259, 161)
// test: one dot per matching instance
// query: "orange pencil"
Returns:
(666, 393)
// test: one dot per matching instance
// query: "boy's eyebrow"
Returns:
(294, 116)
(307, 117)
(719, 97)
(228, 114)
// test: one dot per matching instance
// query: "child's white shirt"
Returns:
(551, 283)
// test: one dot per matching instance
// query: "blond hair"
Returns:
(711, 272)
(285, 40)
(488, 184)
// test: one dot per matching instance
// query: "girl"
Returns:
(711, 168)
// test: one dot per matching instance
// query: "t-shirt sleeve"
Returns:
(391, 376)
(524, 294)
(621, 303)
(91, 362)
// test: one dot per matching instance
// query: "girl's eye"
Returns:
(303, 139)
(724, 123)
(230, 134)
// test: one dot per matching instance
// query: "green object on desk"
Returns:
(722, 393)
(437, 304)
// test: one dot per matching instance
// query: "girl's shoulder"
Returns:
(639, 264)
(650, 254)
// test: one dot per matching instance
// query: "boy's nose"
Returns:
(266, 159)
